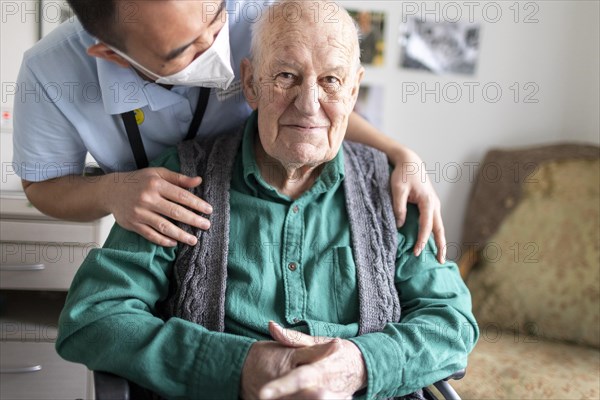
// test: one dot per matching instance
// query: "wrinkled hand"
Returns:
(410, 185)
(268, 360)
(337, 373)
(143, 200)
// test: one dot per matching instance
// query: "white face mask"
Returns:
(211, 69)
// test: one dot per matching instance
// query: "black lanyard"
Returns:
(135, 139)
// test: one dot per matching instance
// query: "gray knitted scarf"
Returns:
(199, 279)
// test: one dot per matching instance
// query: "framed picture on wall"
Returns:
(53, 13)
(439, 47)
(371, 30)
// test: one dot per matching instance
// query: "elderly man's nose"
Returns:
(307, 98)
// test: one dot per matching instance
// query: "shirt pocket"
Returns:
(345, 285)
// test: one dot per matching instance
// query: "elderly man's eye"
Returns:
(285, 79)
(331, 84)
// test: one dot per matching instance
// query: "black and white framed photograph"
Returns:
(439, 47)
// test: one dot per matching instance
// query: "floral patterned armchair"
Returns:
(531, 258)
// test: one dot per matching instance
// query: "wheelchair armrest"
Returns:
(110, 387)
(448, 391)
(457, 375)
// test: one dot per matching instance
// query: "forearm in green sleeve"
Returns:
(174, 359)
(109, 324)
(432, 340)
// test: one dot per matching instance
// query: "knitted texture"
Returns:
(374, 235)
(198, 284)
(198, 287)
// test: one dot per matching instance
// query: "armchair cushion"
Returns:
(539, 273)
(509, 366)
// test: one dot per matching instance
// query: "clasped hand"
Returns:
(296, 365)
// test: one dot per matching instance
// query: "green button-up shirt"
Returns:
(289, 261)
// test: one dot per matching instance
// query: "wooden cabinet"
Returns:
(38, 258)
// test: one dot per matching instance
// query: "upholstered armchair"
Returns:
(531, 258)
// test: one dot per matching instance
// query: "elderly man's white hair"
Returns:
(295, 11)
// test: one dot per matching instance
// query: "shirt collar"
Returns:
(124, 90)
(331, 176)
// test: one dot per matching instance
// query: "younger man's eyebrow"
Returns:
(174, 53)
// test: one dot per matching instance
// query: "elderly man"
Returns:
(305, 236)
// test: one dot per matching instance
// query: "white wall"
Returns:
(18, 32)
(558, 54)
(584, 89)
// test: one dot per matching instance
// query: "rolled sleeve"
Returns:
(220, 365)
(382, 356)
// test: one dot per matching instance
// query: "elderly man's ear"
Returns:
(250, 89)
(359, 77)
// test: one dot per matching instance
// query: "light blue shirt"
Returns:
(69, 103)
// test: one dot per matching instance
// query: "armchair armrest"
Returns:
(110, 387)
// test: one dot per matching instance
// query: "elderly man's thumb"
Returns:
(292, 338)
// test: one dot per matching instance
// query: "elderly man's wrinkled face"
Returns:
(304, 87)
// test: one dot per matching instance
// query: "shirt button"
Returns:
(295, 209)
(296, 320)
(292, 266)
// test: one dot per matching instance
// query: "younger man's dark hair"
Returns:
(99, 18)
